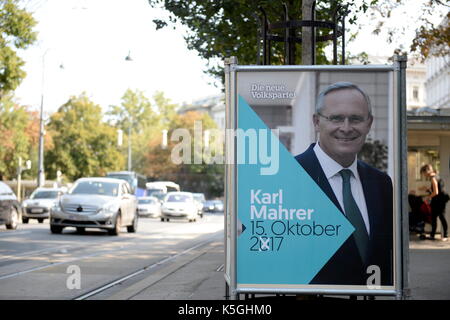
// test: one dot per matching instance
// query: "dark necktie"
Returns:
(354, 215)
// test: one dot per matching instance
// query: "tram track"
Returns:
(104, 262)
(166, 260)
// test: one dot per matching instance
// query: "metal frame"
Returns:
(401, 235)
(290, 38)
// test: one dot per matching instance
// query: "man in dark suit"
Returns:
(363, 194)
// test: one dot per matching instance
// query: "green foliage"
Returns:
(16, 32)
(14, 142)
(206, 178)
(135, 115)
(375, 154)
(219, 29)
(83, 144)
(432, 40)
(429, 40)
(135, 110)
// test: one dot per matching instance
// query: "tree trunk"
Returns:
(308, 51)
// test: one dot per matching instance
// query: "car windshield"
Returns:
(96, 187)
(146, 201)
(178, 198)
(45, 195)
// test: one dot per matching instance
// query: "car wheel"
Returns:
(24, 220)
(56, 229)
(40, 220)
(117, 225)
(162, 219)
(133, 227)
(14, 219)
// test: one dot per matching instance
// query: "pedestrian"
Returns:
(438, 200)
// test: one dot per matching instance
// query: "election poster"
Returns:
(315, 193)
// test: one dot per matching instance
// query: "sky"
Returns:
(82, 46)
(91, 39)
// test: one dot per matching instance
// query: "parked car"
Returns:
(149, 207)
(179, 205)
(213, 206)
(39, 204)
(10, 208)
(104, 203)
(200, 201)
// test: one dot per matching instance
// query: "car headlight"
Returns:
(109, 209)
(56, 206)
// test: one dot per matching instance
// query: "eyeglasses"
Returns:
(340, 119)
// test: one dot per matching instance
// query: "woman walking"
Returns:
(438, 201)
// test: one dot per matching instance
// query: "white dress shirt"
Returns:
(331, 169)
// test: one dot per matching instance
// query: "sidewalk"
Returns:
(429, 269)
(197, 275)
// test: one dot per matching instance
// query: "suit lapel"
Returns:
(311, 165)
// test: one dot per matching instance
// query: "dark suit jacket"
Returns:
(346, 267)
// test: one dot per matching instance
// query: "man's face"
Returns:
(343, 140)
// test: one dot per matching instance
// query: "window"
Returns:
(416, 93)
(419, 156)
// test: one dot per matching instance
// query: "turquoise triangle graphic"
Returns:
(278, 249)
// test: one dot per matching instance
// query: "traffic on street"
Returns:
(38, 264)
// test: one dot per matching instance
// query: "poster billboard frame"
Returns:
(401, 235)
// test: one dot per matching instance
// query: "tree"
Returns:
(219, 29)
(136, 115)
(199, 177)
(374, 153)
(14, 142)
(16, 32)
(432, 38)
(83, 144)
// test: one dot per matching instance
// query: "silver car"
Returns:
(179, 205)
(39, 204)
(149, 207)
(10, 208)
(103, 203)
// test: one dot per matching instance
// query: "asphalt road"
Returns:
(162, 261)
(35, 264)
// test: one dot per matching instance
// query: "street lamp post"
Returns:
(129, 144)
(128, 58)
(41, 173)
